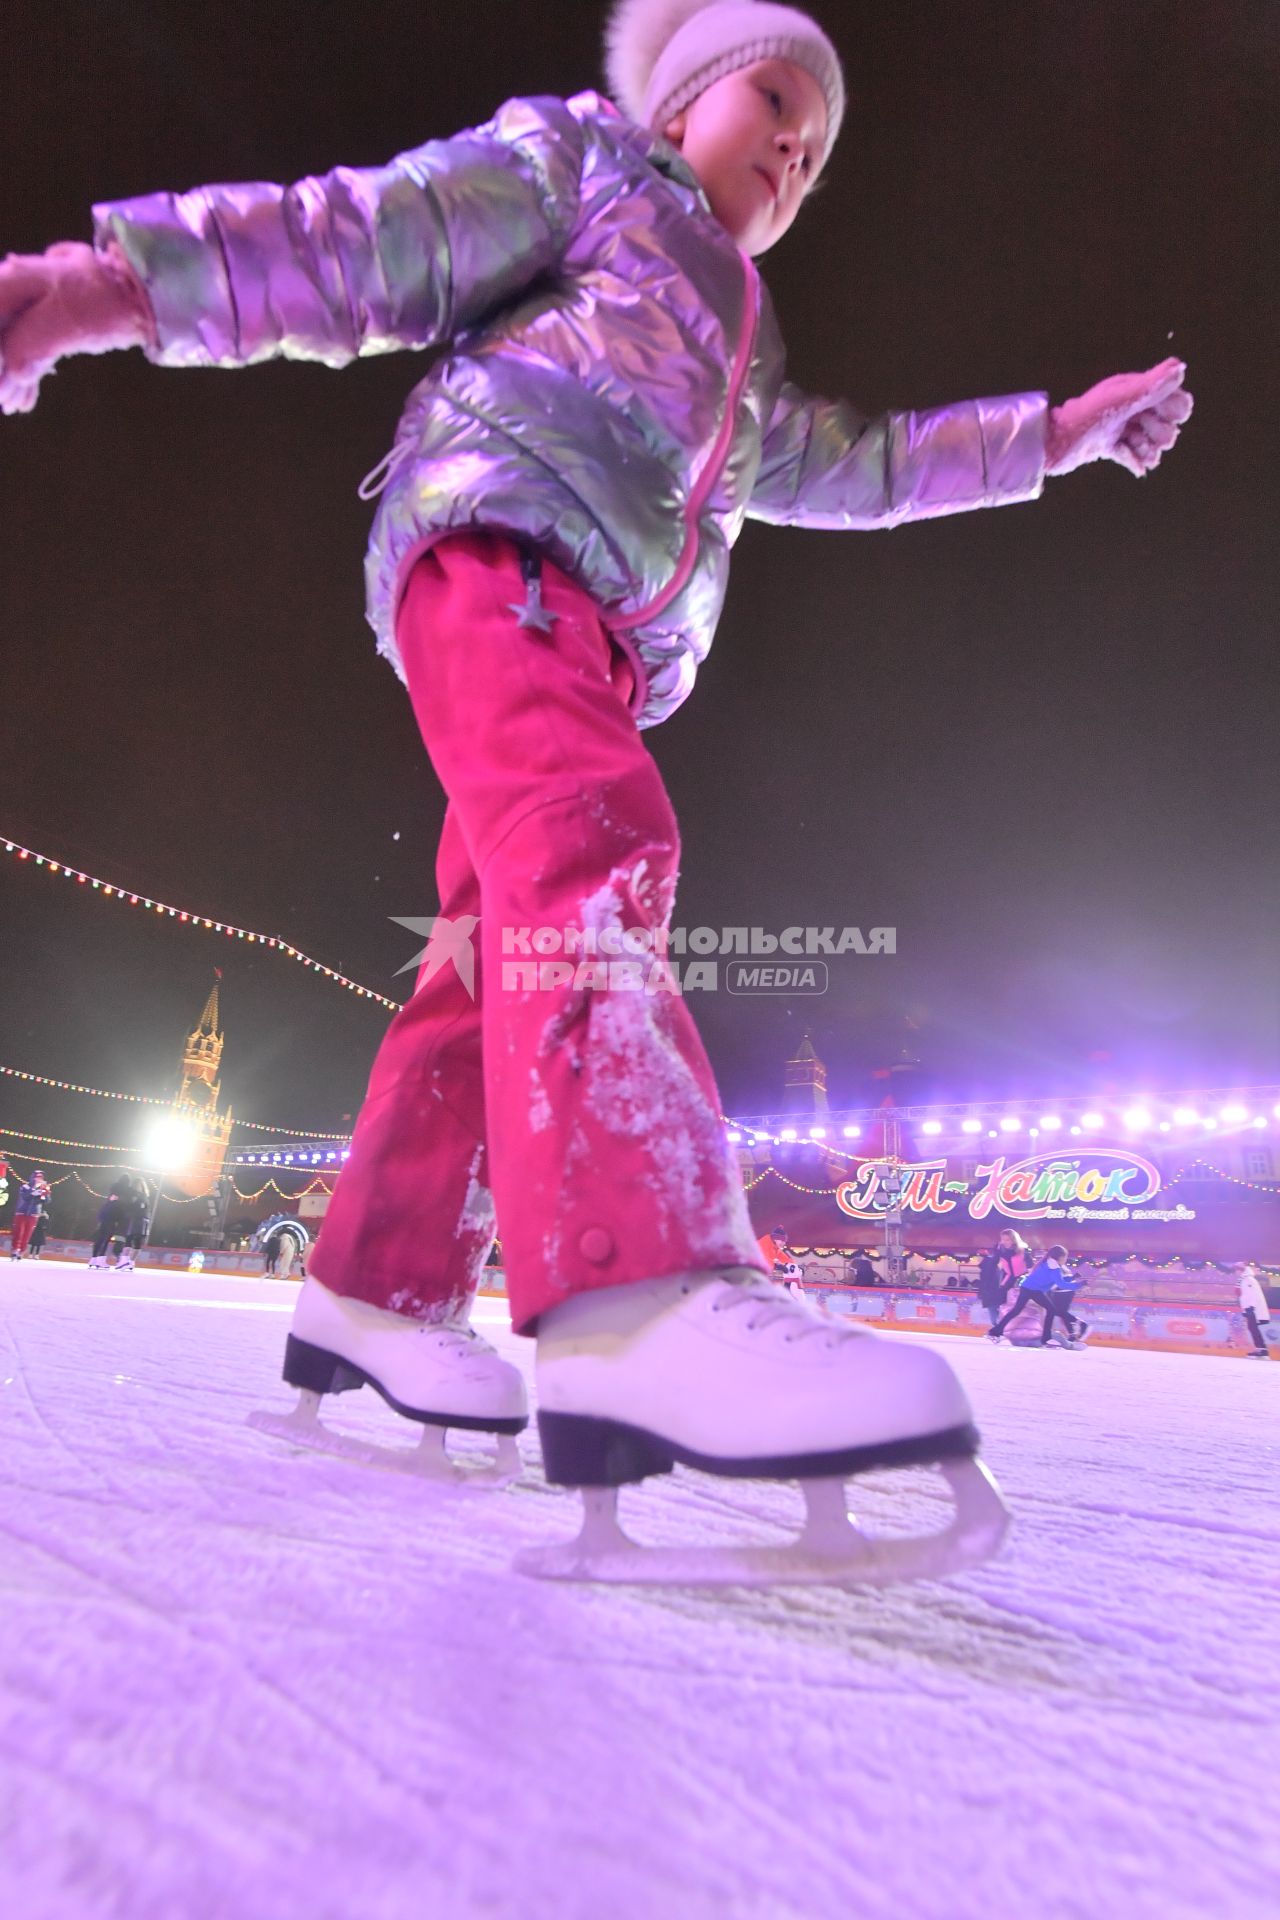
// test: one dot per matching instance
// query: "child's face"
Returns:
(755, 140)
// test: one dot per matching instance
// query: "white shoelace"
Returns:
(463, 1337)
(775, 1306)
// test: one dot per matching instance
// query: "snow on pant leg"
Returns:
(24, 1225)
(410, 1223)
(607, 1151)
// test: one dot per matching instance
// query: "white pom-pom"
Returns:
(637, 32)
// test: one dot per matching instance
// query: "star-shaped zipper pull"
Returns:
(532, 614)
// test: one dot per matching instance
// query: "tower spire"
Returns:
(197, 1100)
(805, 1081)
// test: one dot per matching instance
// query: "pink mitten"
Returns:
(1132, 419)
(67, 300)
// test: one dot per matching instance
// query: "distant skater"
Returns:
(1257, 1313)
(1035, 1289)
(28, 1207)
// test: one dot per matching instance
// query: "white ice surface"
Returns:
(241, 1681)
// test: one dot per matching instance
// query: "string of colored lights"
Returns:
(51, 1140)
(152, 1100)
(178, 1199)
(1136, 1117)
(1254, 1186)
(186, 917)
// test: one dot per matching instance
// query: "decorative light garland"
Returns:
(151, 1100)
(188, 918)
(1254, 1186)
(77, 1167)
(825, 1192)
(185, 1199)
(51, 1140)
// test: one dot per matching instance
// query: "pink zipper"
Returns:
(714, 468)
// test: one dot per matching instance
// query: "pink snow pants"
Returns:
(584, 1112)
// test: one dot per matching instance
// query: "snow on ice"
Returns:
(242, 1681)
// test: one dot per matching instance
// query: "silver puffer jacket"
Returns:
(613, 390)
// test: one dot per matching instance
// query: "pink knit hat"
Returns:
(661, 54)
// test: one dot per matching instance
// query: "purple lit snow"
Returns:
(240, 1681)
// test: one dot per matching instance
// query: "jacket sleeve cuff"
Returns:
(982, 453)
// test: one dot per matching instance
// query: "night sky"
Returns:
(1039, 742)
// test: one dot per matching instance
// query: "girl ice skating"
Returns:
(547, 566)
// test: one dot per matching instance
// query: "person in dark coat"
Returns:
(137, 1211)
(41, 1231)
(113, 1220)
(993, 1284)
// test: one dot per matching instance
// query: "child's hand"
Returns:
(67, 300)
(1132, 419)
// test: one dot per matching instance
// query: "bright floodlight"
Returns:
(1049, 1122)
(1091, 1120)
(1136, 1118)
(931, 1126)
(1260, 1120)
(971, 1126)
(1210, 1123)
(788, 1133)
(817, 1133)
(1010, 1123)
(1185, 1116)
(851, 1133)
(734, 1135)
(1232, 1115)
(170, 1143)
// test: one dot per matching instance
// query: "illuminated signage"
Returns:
(1100, 1183)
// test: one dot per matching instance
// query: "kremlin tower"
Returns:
(197, 1103)
(806, 1081)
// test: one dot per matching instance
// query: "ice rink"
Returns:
(245, 1682)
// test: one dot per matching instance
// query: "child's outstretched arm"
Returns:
(352, 262)
(826, 465)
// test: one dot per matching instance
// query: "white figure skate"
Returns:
(438, 1376)
(729, 1374)
(98, 1263)
(125, 1260)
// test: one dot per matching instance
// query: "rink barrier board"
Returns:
(1167, 1328)
(1162, 1328)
